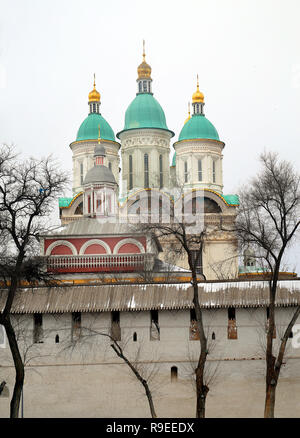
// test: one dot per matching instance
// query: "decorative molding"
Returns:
(129, 240)
(95, 242)
(61, 243)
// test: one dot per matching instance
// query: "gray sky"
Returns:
(245, 52)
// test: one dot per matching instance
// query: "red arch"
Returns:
(61, 250)
(129, 248)
(95, 249)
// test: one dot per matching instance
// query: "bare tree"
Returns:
(28, 189)
(268, 221)
(143, 373)
(183, 240)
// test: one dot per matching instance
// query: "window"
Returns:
(134, 337)
(38, 328)
(81, 173)
(154, 329)
(89, 204)
(79, 209)
(213, 336)
(57, 339)
(199, 170)
(145, 88)
(130, 173)
(76, 325)
(232, 329)
(115, 326)
(185, 172)
(214, 171)
(109, 165)
(194, 332)
(174, 374)
(140, 87)
(161, 175)
(146, 171)
(197, 257)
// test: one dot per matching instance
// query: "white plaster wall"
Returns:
(87, 379)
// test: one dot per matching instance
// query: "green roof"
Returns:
(89, 128)
(198, 127)
(144, 112)
(64, 202)
(232, 199)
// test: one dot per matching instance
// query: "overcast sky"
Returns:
(246, 53)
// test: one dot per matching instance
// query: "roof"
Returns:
(67, 202)
(128, 297)
(64, 202)
(144, 112)
(99, 174)
(89, 128)
(198, 127)
(87, 226)
(232, 199)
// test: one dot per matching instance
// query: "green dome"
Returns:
(144, 112)
(198, 127)
(89, 128)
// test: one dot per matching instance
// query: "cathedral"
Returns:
(109, 176)
(116, 280)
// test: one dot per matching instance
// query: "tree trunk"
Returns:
(201, 388)
(202, 391)
(149, 397)
(19, 367)
(270, 401)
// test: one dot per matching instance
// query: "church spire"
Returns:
(144, 75)
(94, 99)
(198, 100)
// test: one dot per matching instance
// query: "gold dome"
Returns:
(144, 69)
(94, 95)
(189, 116)
(198, 97)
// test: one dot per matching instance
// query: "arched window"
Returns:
(81, 173)
(199, 170)
(140, 87)
(109, 165)
(130, 173)
(185, 172)
(134, 337)
(213, 336)
(214, 171)
(146, 171)
(79, 209)
(174, 374)
(145, 86)
(89, 204)
(57, 339)
(161, 175)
